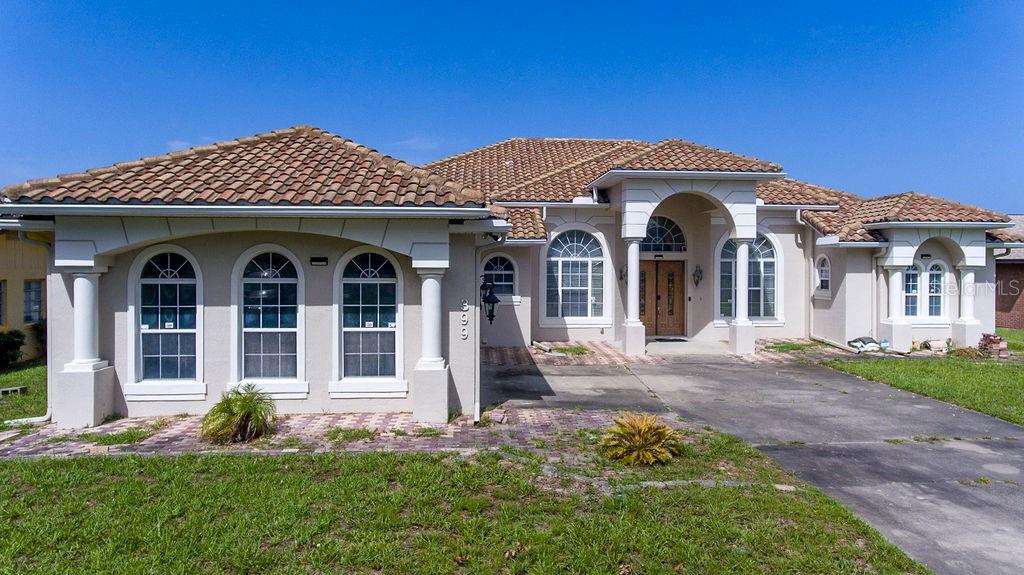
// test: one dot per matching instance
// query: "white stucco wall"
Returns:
(513, 321)
(216, 255)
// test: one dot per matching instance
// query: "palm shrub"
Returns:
(637, 440)
(242, 414)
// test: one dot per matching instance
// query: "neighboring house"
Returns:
(339, 279)
(23, 258)
(1010, 282)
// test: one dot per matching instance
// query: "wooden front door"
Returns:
(663, 297)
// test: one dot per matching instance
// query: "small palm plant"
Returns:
(242, 414)
(637, 440)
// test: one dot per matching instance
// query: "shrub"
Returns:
(242, 414)
(39, 334)
(640, 440)
(10, 347)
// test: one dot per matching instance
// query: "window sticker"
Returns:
(368, 324)
(392, 324)
(168, 325)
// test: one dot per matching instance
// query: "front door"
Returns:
(662, 297)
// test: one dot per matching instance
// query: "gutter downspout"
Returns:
(22, 236)
(809, 294)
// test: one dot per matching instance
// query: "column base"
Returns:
(966, 333)
(83, 398)
(900, 335)
(741, 338)
(634, 340)
(429, 392)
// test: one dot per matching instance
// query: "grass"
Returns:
(412, 513)
(791, 346)
(127, 436)
(572, 349)
(349, 434)
(1014, 338)
(31, 375)
(986, 386)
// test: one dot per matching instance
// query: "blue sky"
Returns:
(871, 98)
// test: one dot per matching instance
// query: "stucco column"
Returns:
(430, 312)
(86, 313)
(634, 339)
(741, 329)
(429, 389)
(895, 294)
(967, 328)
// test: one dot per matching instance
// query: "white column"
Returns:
(86, 313)
(967, 291)
(430, 312)
(895, 294)
(742, 311)
(633, 282)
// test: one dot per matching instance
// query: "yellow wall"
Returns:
(20, 261)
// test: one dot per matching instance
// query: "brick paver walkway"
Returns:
(522, 428)
(600, 353)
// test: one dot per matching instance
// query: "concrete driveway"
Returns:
(956, 505)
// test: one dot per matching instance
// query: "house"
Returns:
(340, 279)
(1010, 278)
(23, 259)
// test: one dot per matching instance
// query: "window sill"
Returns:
(278, 388)
(515, 300)
(575, 322)
(368, 388)
(165, 390)
(937, 322)
(758, 322)
(823, 294)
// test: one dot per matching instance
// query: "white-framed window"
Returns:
(270, 317)
(761, 279)
(911, 290)
(33, 301)
(663, 235)
(936, 289)
(369, 317)
(500, 271)
(823, 276)
(574, 277)
(168, 318)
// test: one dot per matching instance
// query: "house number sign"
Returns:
(464, 320)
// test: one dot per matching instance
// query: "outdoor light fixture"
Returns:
(488, 299)
(698, 274)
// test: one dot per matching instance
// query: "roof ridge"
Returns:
(193, 151)
(578, 163)
(521, 138)
(720, 150)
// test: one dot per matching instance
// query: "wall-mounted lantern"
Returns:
(488, 300)
(698, 274)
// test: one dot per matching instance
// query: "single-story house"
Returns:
(1010, 278)
(23, 259)
(340, 279)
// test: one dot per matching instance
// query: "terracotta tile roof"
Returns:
(560, 169)
(792, 192)
(527, 224)
(680, 155)
(1014, 234)
(297, 166)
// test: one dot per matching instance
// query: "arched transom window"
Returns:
(575, 276)
(270, 318)
(663, 235)
(761, 279)
(500, 272)
(369, 317)
(824, 271)
(167, 318)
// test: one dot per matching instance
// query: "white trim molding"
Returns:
(607, 292)
(779, 319)
(515, 298)
(278, 388)
(341, 387)
(136, 389)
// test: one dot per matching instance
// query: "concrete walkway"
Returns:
(956, 505)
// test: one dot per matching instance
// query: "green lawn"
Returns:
(31, 404)
(418, 513)
(1014, 338)
(986, 386)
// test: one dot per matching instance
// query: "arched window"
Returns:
(936, 288)
(270, 310)
(911, 290)
(168, 326)
(499, 271)
(575, 276)
(824, 273)
(663, 235)
(369, 326)
(761, 279)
